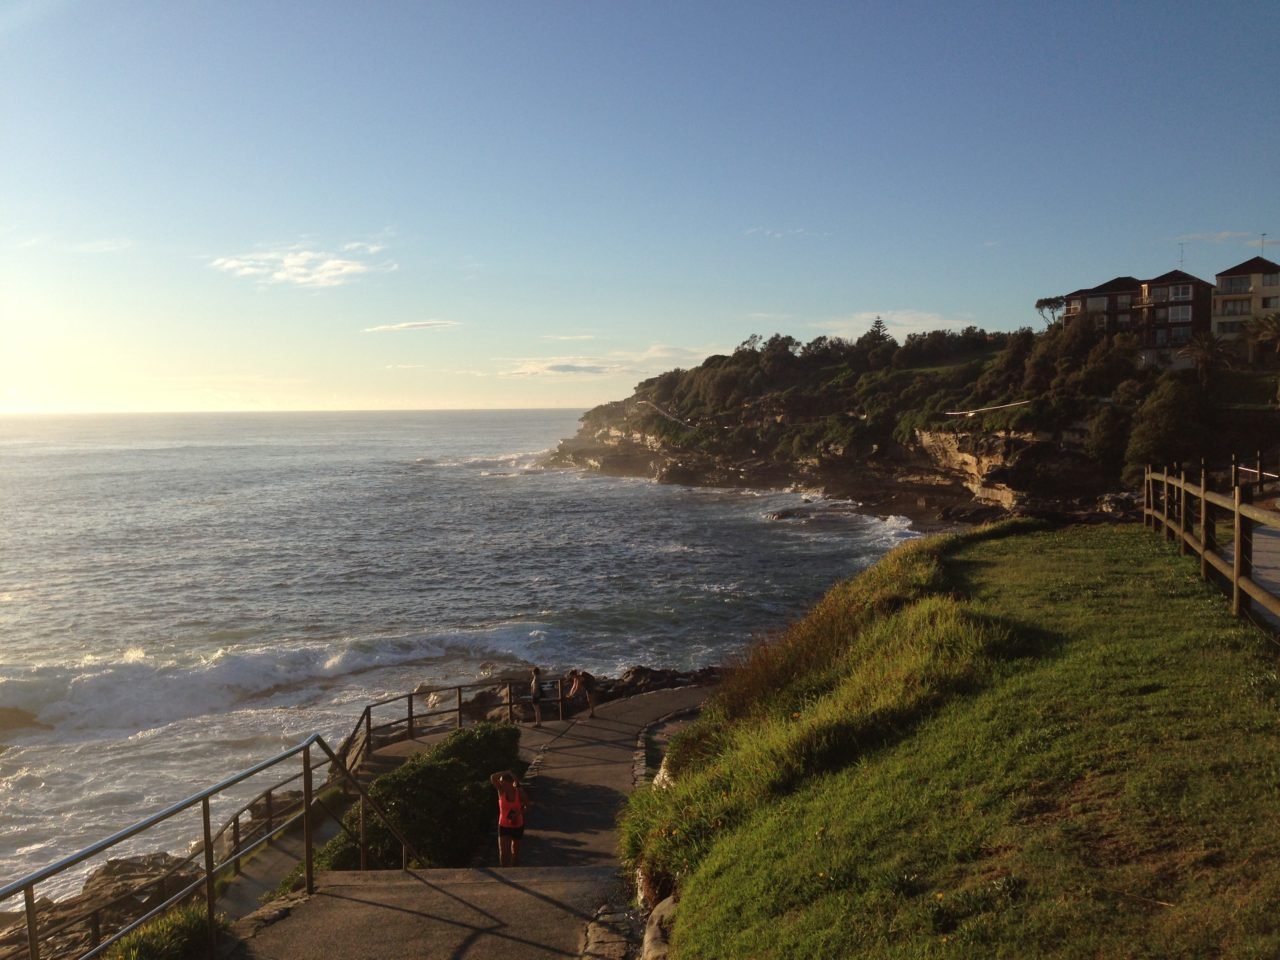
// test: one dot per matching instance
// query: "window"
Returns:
(1236, 308)
(1180, 291)
(1073, 307)
(1270, 303)
(1271, 279)
(1162, 314)
(1180, 314)
(1179, 334)
(1231, 326)
(1096, 304)
(1234, 285)
(1123, 322)
(1159, 294)
(1123, 300)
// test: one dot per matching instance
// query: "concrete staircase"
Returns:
(582, 769)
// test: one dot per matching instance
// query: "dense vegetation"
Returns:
(440, 801)
(1014, 742)
(835, 401)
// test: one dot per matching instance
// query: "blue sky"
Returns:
(406, 205)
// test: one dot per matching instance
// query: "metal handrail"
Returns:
(27, 884)
(342, 767)
(120, 836)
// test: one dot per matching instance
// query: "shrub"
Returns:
(441, 802)
(180, 934)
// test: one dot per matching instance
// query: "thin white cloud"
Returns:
(562, 367)
(305, 266)
(1221, 236)
(105, 245)
(654, 359)
(411, 325)
(664, 356)
(774, 233)
(575, 336)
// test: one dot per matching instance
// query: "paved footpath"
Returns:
(582, 769)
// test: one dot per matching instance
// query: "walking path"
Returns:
(582, 768)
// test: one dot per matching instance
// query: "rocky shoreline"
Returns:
(944, 483)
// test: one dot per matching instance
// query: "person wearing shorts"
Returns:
(512, 804)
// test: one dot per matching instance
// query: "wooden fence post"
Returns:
(1235, 471)
(1182, 512)
(1164, 505)
(411, 716)
(1208, 536)
(459, 691)
(1242, 554)
(1147, 499)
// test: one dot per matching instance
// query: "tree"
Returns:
(876, 336)
(1050, 309)
(1263, 330)
(1169, 427)
(1207, 353)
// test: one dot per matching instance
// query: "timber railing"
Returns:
(1205, 522)
(285, 805)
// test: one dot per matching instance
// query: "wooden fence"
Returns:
(1206, 523)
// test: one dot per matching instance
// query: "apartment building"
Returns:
(1163, 312)
(1247, 290)
(1174, 307)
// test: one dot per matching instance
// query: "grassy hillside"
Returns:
(1013, 742)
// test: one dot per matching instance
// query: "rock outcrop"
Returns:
(114, 895)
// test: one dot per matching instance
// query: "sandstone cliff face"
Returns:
(972, 459)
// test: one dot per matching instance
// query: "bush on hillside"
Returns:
(441, 802)
(180, 934)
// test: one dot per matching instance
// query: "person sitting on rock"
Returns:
(513, 802)
(585, 683)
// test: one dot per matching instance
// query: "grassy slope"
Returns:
(1050, 743)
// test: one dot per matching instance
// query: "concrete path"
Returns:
(582, 768)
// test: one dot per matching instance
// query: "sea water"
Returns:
(182, 596)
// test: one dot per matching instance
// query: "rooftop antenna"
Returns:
(1180, 254)
(1262, 245)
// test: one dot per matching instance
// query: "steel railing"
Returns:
(367, 735)
(311, 808)
(238, 842)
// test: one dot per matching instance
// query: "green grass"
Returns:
(1053, 744)
(180, 934)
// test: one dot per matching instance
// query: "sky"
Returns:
(425, 205)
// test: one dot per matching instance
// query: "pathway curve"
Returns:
(582, 769)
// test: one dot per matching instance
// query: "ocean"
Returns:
(182, 596)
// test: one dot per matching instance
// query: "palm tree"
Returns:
(1208, 353)
(1264, 329)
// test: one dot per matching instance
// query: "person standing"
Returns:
(513, 802)
(535, 696)
(582, 682)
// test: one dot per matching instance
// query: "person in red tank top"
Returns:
(512, 804)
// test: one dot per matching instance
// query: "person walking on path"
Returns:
(535, 696)
(512, 804)
(585, 683)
